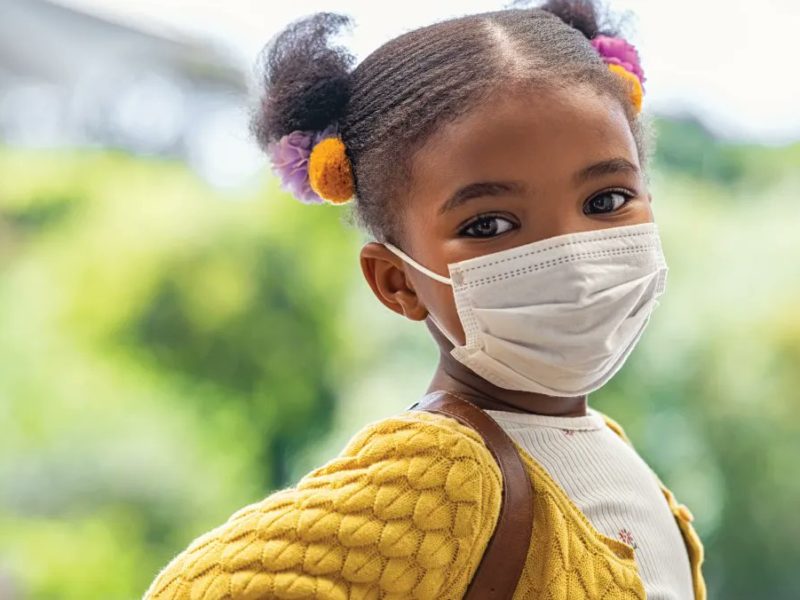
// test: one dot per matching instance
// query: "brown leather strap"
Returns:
(504, 558)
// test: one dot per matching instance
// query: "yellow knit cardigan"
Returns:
(405, 511)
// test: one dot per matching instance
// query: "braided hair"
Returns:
(393, 100)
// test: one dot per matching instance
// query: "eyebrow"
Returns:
(605, 167)
(480, 189)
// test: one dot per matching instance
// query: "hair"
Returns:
(396, 98)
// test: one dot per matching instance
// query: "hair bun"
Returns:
(306, 85)
(306, 81)
(579, 14)
(620, 56)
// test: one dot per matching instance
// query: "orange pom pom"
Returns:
(636, 93)
(329, 171)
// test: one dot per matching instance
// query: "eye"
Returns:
(606, 202)
(487, 226)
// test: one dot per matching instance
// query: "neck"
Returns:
(490, 397)
(452, 376)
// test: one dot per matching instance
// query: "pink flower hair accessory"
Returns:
(290, 156)
(616, 51)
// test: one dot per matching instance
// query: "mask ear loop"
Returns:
(431, 274)
(418, 266)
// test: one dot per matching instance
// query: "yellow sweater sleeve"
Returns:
(404, 511)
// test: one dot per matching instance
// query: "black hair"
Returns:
(392, 101)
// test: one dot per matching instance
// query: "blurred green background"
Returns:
(169, 353)
(172, 349)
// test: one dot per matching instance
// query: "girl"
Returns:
(499, 162)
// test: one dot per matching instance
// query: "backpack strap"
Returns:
(507, 550)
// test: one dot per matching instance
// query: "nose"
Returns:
(561, 224)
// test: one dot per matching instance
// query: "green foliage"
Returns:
(169, 353)
(687, 148)
(164, 353)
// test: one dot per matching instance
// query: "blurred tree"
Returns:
(165, 351)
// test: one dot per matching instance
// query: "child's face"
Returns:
(521, 168)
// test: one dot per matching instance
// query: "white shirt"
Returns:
(613, 486)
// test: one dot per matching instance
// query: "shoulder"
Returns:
(406, 508)
(614, 426)
(416, 434)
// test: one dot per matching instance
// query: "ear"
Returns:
(387, 276)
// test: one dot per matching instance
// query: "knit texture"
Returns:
(404, 511)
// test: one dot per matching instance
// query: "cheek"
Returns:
(643, 211)
(443, 308)
(425, 237)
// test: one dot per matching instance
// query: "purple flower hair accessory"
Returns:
(289, 157)
(617, 51)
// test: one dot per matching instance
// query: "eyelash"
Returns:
(479, 219)
(627, 194)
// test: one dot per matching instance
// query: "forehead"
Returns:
(538, 135)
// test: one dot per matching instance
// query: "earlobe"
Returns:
(386, 275)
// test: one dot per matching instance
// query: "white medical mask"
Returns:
(558, 316)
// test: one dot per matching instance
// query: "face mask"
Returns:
(558, 316)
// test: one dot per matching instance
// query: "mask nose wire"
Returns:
(416, 265)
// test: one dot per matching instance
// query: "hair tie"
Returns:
(313, 166)
(622, 60)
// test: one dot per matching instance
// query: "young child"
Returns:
(499, 162)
